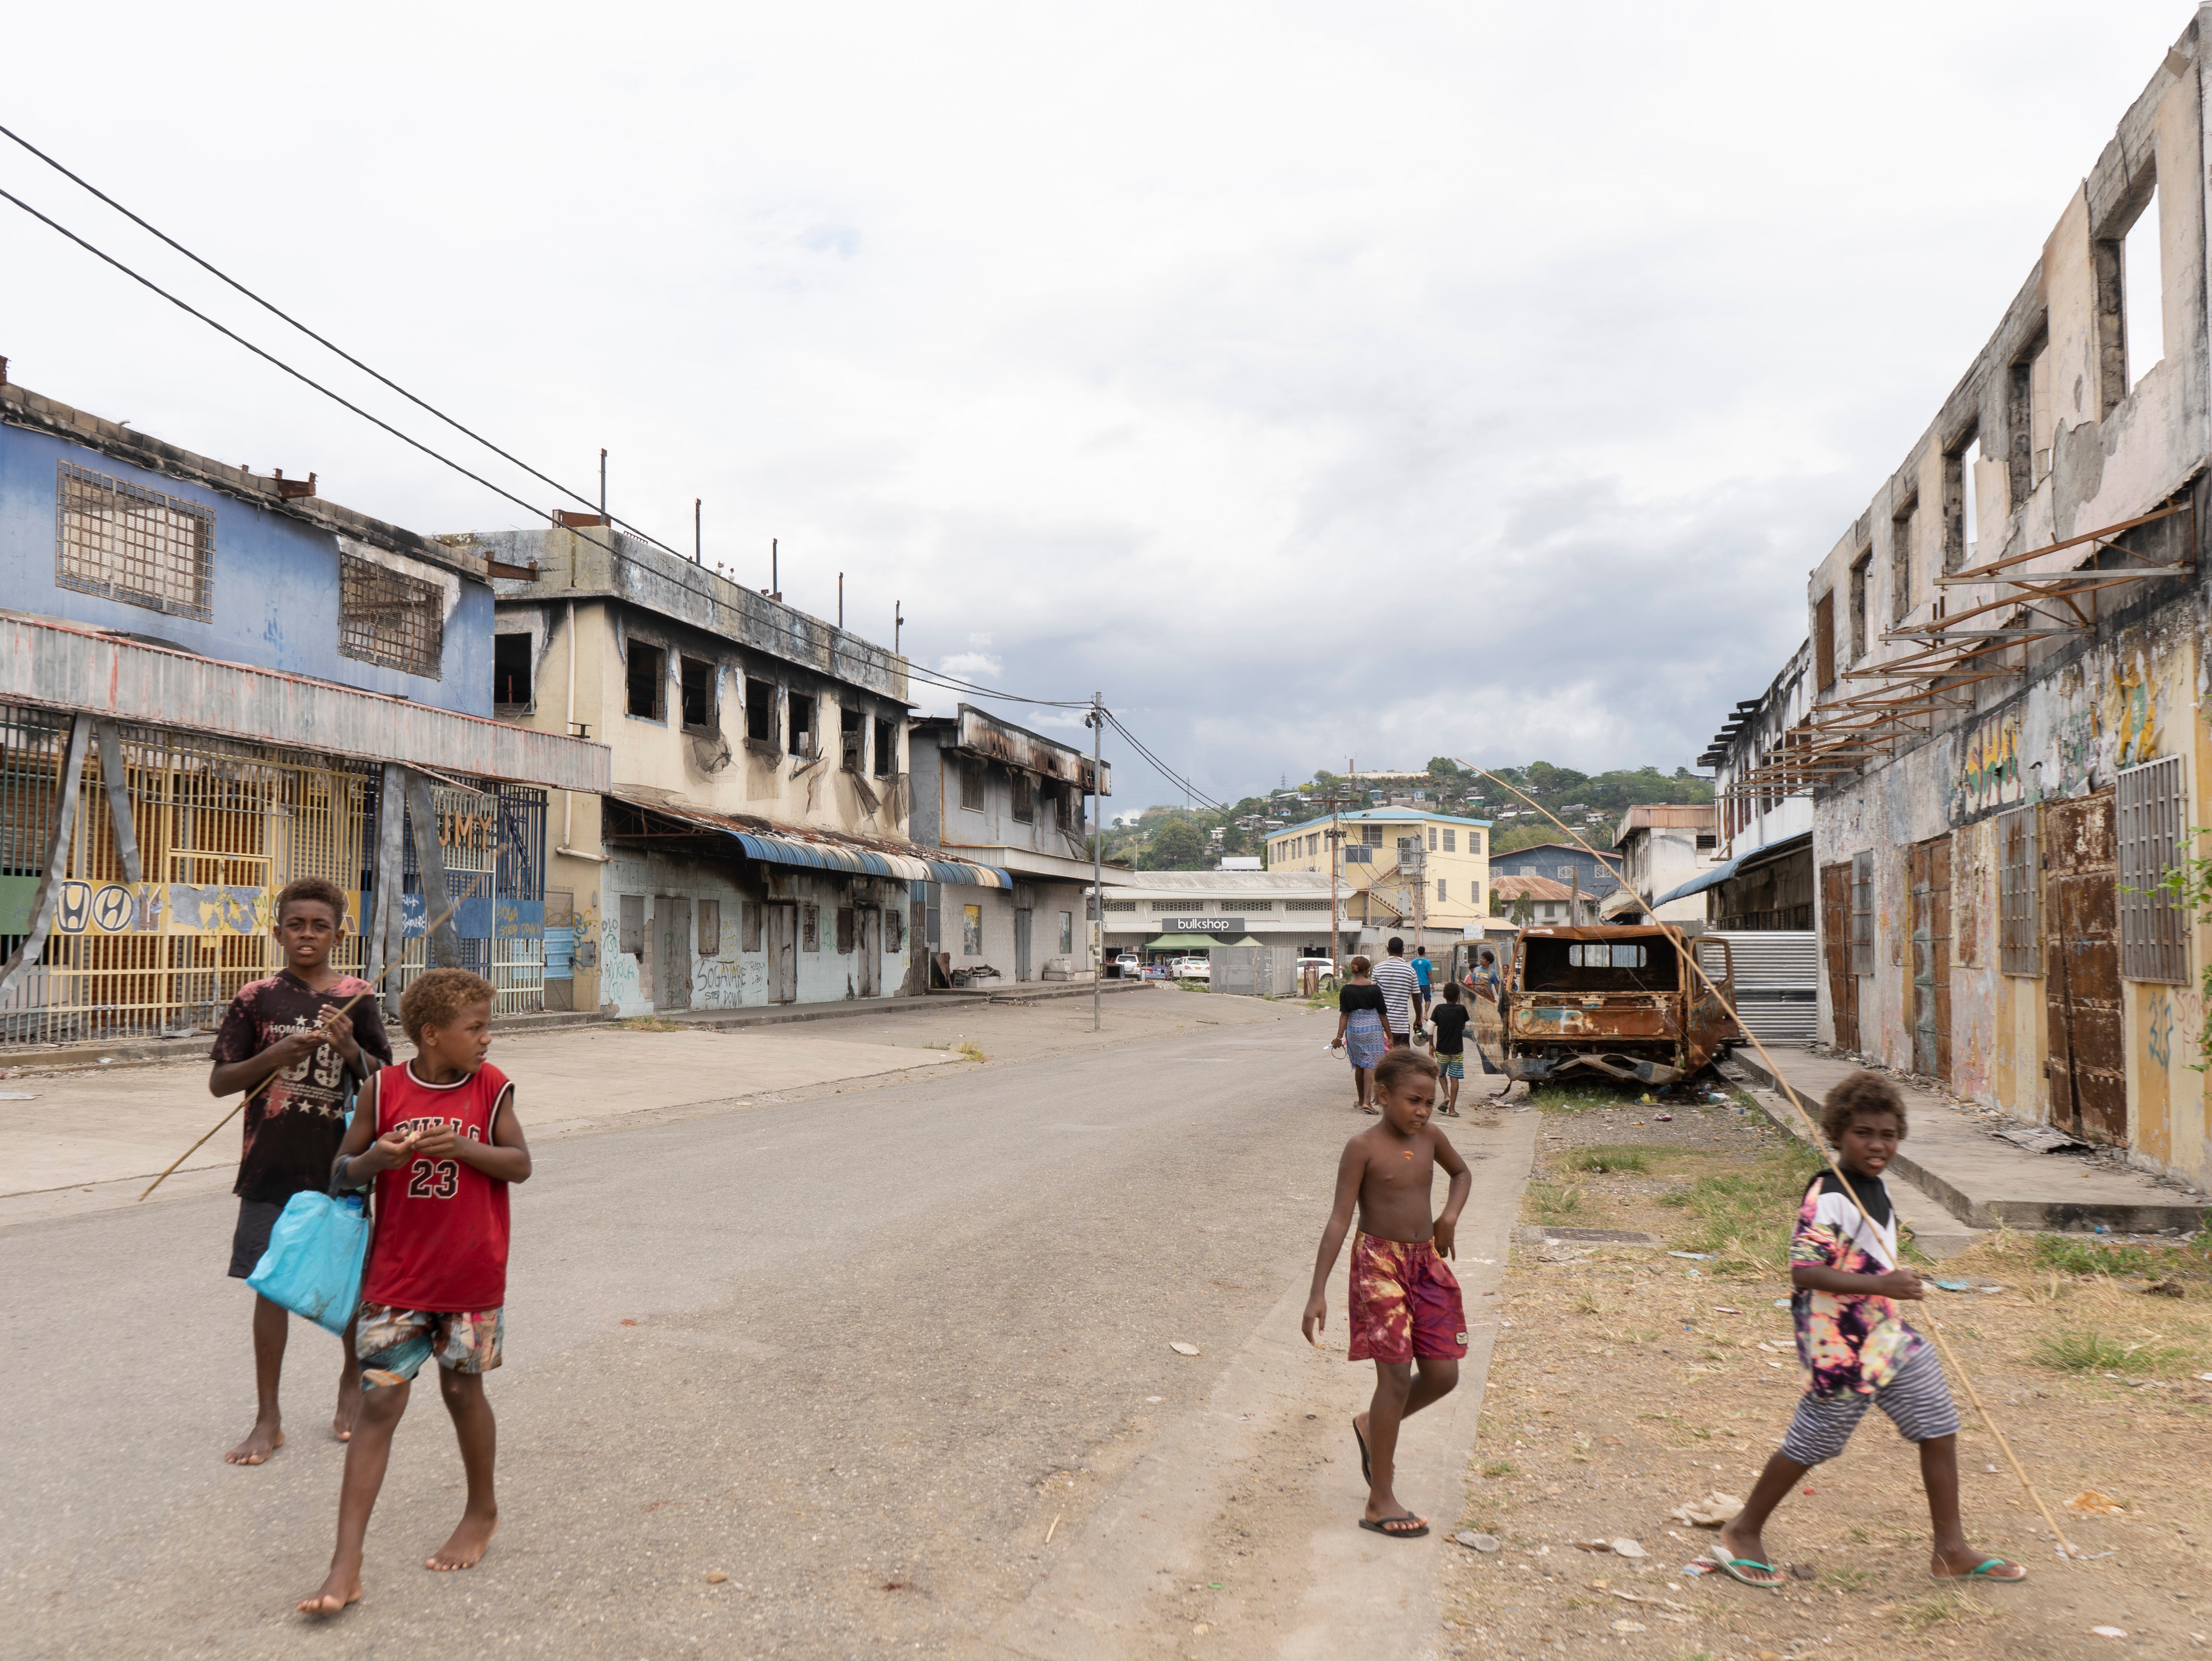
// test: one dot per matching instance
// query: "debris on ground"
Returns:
(1184, 1349)
(1709, 1512)
(2090, 1503)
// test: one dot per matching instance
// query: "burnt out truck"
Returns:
(1584, 1004)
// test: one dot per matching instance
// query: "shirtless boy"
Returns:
(285, 1038)
(1405, 1299)
(440, 1139)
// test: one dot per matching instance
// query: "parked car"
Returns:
(1191, 969)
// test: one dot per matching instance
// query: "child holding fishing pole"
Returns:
(290, 1034)
(1854, 1344)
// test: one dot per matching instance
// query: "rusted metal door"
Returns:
(1930, 869)
(1836, 947)
(2082, 968)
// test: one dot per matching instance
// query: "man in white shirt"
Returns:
(1400, 986)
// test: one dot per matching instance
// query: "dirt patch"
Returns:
(1627, 1381)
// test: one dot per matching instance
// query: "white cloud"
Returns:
(1337, 382)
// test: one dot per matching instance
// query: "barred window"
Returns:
(1250, 905)
(2151, 926)
(389, 617)
(1863, 914)
(112, 537)
(1121, 905)
(1305, 905)
(2019, 887)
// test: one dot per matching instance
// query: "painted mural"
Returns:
(1989, 774)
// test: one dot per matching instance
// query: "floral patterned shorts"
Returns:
(393, 1343)
(1404, 1302)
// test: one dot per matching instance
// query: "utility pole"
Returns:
(698, 546)
(603, 485)
(840, 602)
(775, 572)
(1336, 865)
(898, 623)
(1097, 863)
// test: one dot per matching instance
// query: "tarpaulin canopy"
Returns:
(830, 850)
(1183, 943)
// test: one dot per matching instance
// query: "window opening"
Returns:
(760, 711)
(1900, 561)
(646, 670)
(749, 925)
(511, 659)
(632, 936)
(1961, 534)
(1862, 572)
(1824, 638)
(698, 678)
(846, 926)
(2143, 308)
(852, 740)
(971, 784)
(887, 754)
(133, 544)
(1450, 838)
(802, 741)
(389, 617)
(1025, 798)
(809, 929)
(2020, 882)
(2152, 937)
(710, 928)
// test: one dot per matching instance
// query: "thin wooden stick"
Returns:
(2066, 1548)
(272, 1077)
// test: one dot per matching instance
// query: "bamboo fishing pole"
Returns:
(272, 1077)
(2066, 1548)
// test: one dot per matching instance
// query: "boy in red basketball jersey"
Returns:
(440, 1140)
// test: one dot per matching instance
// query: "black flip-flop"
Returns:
(1383, 1527)
(1366, 1471)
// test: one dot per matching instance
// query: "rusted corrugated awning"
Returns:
(830, 850)
(1636, 932)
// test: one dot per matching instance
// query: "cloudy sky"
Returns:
(1315, 381)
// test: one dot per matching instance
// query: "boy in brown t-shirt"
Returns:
(289, 1023)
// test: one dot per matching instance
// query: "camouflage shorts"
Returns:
(393, 1343)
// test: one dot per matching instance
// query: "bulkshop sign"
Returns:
(1229, 928)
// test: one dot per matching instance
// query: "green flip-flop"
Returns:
(1981, 1572)
(1733, 1567)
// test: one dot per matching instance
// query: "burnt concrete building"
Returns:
(2007, 746)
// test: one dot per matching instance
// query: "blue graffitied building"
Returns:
(213, 683)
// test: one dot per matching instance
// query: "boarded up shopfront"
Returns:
(1836, 946)
(1928, 1014)
(2082, 968)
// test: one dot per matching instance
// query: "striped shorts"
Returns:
(1916, 1399)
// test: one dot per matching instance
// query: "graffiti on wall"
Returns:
(1989, 767)
(2132, 712)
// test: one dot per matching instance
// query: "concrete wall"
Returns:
(274, 594)
(732, 978)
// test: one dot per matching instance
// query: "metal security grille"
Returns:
(115, 539)
(2020, 893)
(2153, 928)
(1863, 914)
(389, 617)
(492, 843)
(221, 827)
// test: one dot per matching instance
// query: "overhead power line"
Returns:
(321, 340)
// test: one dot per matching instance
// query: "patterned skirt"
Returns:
(1365, 1039)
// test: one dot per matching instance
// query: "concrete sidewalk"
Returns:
(1951, 1157)
(90, 1138)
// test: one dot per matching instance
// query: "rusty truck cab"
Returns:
(1612, 1002)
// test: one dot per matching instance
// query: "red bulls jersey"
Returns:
(441, 1226)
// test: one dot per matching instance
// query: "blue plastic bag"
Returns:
(316, 1254)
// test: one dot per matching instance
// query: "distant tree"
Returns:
(1443, 767)
(1233, 839)
(1178, 845)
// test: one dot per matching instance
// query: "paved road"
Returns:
(861, 1353)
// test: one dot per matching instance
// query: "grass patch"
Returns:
(1499, 1468)
(968, 1049)
(1745, 1217)
(1555, 1200)
(1606, 1156)
(649, 1024)
(2071, 1254)
(2092, 1352)
(1851, 1579)
(1587, 1302)
(1563, 1098)
(1943, 1608)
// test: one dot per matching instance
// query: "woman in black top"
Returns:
(1360, 1032)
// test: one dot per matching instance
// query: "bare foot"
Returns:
(1749, 1556)
(465, 1549)
(260, 1442)
(349, 1411)
(344, 1587)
